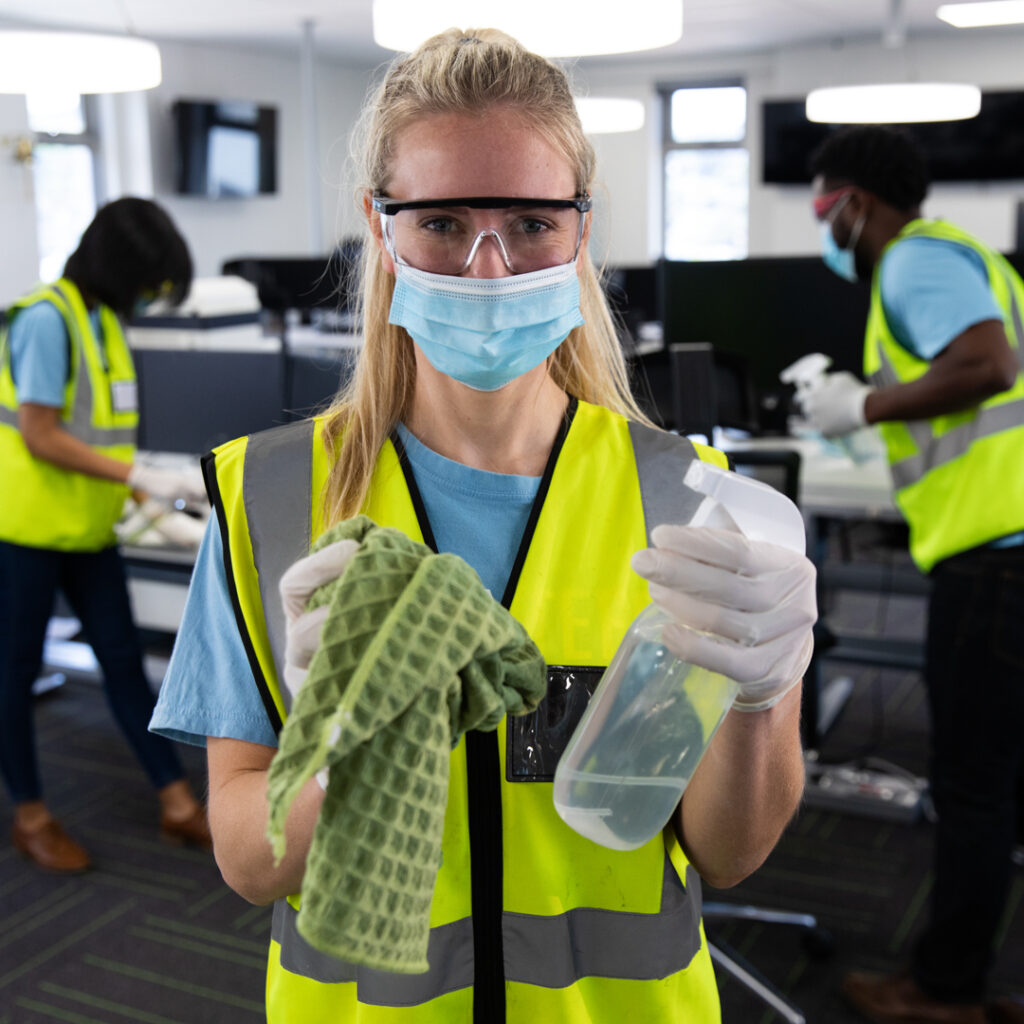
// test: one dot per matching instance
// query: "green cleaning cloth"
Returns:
(413, 653)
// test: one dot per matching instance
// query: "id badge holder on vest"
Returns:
(535, 742)
(124, 396)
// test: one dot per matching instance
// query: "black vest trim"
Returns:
(209, 468)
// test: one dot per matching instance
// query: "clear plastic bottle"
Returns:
(653, 715)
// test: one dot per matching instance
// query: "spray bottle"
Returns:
(653, 715)
(806, 374)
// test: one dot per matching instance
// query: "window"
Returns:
(707, 167)
(63, 171)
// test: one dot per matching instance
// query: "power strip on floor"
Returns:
(865, 791)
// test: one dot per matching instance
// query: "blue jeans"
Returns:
(975, 680)
(94, 585)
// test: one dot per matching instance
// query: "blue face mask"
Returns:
(486, 332)
(841, 261)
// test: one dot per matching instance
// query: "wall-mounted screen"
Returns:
(225, 149)
(989, 147)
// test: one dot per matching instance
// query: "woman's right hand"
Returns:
(302, 633)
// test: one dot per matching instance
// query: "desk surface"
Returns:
(831, 483)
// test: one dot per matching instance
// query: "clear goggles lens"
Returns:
(445, 239)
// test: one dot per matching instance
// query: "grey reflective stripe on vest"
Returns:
(449, 951)
(550, 951)
(557, 951)
(277, 489)
(933, 451)
(661, 462)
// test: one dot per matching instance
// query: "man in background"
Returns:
(944, 360)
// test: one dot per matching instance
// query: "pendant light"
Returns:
(894, 102)
(977, 15)
(570, 28)
(76, 62)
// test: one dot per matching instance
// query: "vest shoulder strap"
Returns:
(278, 496)
(661, 462)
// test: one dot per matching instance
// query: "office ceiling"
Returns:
(343, 28)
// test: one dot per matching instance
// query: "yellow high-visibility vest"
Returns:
(529, 921)
(45, 506)
(958, 478)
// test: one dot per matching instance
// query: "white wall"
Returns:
(19, 254)
(220, 229)
(780, 222)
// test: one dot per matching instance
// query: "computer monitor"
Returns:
(302, 282)
(767, 312)
(192, 401)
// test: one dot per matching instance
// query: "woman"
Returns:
(490, 416)
(68, 418)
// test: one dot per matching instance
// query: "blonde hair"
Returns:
(459, 72)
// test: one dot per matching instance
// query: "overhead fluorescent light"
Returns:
(76, 62)
(605, 114)
(991, 12)
(896, 103)
(570, 28)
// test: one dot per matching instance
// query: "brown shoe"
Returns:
(193, 831)
(51, 848)
(897, 998)
(1009, 1010)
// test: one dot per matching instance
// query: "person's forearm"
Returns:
(744, 792)
(238, 821)
(55, 445)
(975, 366)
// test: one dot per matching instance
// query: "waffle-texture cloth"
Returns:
(413, 653)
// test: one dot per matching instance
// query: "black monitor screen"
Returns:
(192, 401)
(768, 311)
(225, 149)
(989, 147)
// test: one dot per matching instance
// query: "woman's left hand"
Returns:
(742, 608)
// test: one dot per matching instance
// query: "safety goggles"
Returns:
(443, 236)
(827, 204)
(148, 295)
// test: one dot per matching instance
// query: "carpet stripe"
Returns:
(64, 943)
(176, 984)
(191, 946)
(205, 933)
(131, 1012)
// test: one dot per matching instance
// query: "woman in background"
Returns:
(68, 418)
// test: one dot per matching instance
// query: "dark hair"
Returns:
(130, 247)
(885, 161)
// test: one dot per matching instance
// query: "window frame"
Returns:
(88, 137)
(669, 145)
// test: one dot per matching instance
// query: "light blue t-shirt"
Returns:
(39, 354)
(932, 291)
(209, 689)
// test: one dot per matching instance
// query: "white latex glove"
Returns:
(170, 484)
(740, 607)
(302, 632)
(835, 405)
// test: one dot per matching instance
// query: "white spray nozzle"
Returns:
(759, 511)
(806, 370)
